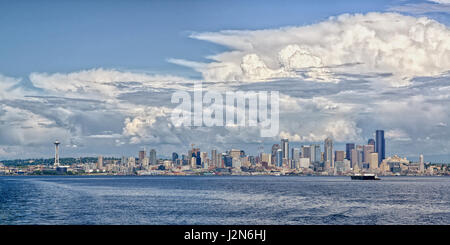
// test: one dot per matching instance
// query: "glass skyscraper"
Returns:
(285, 148)
(328, 153)
(380, 145)
(279, 158)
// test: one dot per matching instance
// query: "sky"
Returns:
(99, 75)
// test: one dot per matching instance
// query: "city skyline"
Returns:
(102, 83)
(308, 160)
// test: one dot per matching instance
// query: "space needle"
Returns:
(56, 153)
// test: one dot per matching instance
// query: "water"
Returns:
(223, 200)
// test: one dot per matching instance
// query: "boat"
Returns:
(364, 177)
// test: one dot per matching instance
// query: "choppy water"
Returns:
(223, 200)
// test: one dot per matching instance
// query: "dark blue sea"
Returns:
(223, 200)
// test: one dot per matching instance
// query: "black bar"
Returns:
(273, 234)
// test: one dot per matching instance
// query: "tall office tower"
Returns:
(360, 155)
(235, 153)
(306, 151)
(141, 156)
(295, 154)
(198, 158)
(373, 161)
(295, 157)
(56, 153)
(339, 156)
(380, 145)
(174, 157)
(227, 161)
(220, 163)
(312, 153)
(275, 148)
(354, 158)
(152, 156)
(266, 157)
(214, 161)
(328, 153)
(195, 153)
(348, 150)
(285, 148)
(367, 149)
(371, 142)
(100, 162)
(204, 157)
(317, 153)
(421, 164)
(279, 158)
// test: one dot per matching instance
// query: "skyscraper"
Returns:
(279, 158)
(295, 157)
(267, 158)
(306, 151)
(421, 164)
(317, 153)
(373, 160)
(354, 158)
(141, 156)
(367, 149)
(275, 148)
(371, 142)
(100, 162)
(348, 150)
(380, 145)
(214, 160)
(314, 153)
(285, 148)
(295, 154)
(339, 156)
(152, 157)
(357, 157)
(328, 153)
(174, 156)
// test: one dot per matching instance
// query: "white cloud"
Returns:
(106, 83)
(440, 1)
(337, 72)
(139, 125)
(397, 135)
(8, 87)
(339, 130)
(378, 42)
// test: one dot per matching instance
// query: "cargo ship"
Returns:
(365, 177)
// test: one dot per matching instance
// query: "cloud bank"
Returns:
(403, 46)
(343, 77)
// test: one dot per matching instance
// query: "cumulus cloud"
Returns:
(340, 130)
(8, 87)
(341, 78)
(397, 134)
(103, 83)
(404, 46)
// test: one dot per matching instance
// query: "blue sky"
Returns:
(63, 36)
(98, 75)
